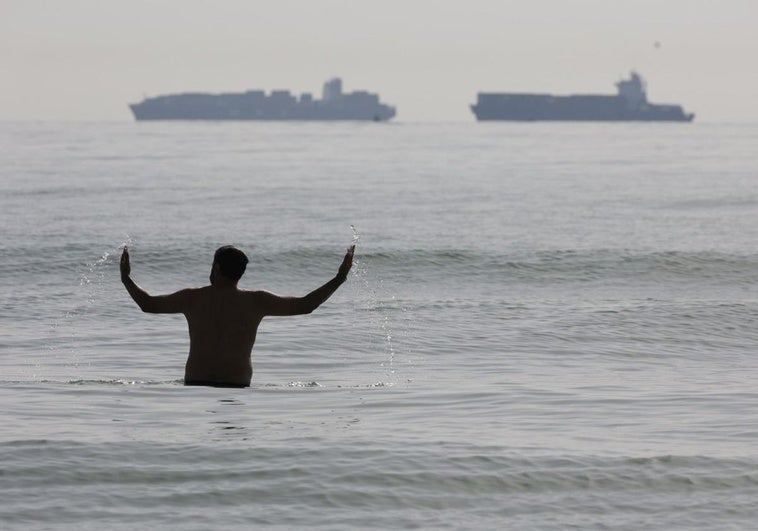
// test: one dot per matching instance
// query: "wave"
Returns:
(94, 382)
(445, 466)
(729, 202)
(435, 485)
(573, 265)
(122, 382)
(584, 263)
(538, 265)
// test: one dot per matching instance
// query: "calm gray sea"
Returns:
(549, 326)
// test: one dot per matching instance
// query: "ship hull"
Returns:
(256, 105)
(148, 114)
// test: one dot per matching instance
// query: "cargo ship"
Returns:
(257, 105)
(629, 104)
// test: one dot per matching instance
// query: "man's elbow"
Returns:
(307, 308)
(302, 309)
(304, 306)
(146, 306)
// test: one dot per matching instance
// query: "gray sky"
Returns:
(86, 59)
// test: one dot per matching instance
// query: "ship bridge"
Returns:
(633, 90)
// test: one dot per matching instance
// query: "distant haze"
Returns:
(86, 59)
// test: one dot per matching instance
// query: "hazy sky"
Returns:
(86, 59)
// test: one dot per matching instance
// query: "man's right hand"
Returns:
(126, 267)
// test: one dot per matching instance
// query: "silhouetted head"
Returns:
(229, 262)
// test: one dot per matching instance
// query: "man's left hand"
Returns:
(347, 263)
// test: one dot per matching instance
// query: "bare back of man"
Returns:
(223, 319)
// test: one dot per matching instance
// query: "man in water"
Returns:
(223, 319)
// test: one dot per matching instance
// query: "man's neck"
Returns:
(224, 284)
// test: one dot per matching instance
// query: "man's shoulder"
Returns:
(195, 291)
(259, 299)
(253, 294)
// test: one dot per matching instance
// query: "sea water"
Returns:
(547, 326)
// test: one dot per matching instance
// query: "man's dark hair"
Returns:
(231, 261)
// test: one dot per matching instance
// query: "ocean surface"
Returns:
(548, 326)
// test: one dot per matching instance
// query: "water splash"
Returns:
(304, 384)
(371, 294)
(93, 278)
(65, 331)
(95, 273)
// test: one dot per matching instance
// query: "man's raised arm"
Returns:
(174, 303)
(271, 304)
